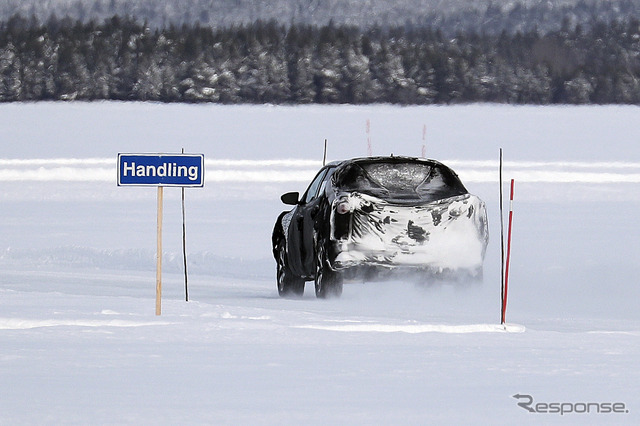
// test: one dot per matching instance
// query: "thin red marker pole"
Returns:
(424, 141)
(502, 249)
(369, 149)
(506, 272)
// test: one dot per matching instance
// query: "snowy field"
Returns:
(80, 342)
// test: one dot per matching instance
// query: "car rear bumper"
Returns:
(450, 234)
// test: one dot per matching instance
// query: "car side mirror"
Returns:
(290, 198)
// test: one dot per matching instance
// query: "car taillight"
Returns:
(343, 207)
(342, 218)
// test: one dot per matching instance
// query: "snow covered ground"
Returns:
(80, 344)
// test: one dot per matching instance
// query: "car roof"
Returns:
(391, 158)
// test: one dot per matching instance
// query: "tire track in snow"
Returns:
(301, 170)
(420, 328)
(25, 324)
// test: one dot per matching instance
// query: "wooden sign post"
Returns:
(159, 255)
(180, 170)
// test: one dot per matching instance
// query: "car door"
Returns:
(301, 250)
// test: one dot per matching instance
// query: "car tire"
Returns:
(328, 282)
(288, 284)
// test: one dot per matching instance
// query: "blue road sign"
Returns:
(161, 170)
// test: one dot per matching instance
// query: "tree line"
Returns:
(450, 16)
(266, 62)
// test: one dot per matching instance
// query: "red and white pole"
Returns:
(506, 271)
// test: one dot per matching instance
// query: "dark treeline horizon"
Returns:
(266, 62)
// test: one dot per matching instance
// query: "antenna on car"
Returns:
(324, 156)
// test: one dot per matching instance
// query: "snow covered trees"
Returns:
(266, 62)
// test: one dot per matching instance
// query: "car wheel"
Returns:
(288, 284)
(328, 282)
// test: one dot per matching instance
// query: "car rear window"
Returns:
(400, 181)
